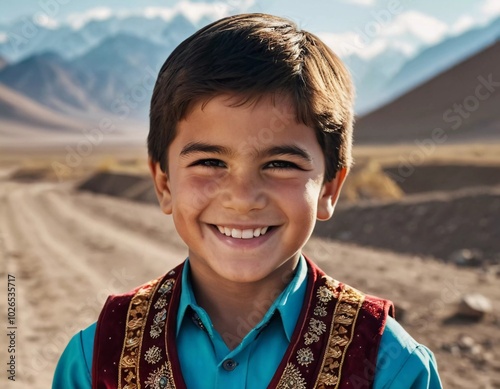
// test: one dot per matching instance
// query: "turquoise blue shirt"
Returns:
(401, 363)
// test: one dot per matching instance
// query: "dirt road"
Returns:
(68, 250)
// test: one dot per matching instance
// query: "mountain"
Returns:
(371, 76)
(22, 36)
(3, 63)
(459, 104)
(122, 54)
(146, 28)
(17, 108)
(25, 38)
(67, 42)
(51, 81)
(436, 59)
(111, 64)
(116, 75)
(177, 30)
(96, 31)
(122, 67)
(105, 65)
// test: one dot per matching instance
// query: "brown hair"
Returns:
(252, 55)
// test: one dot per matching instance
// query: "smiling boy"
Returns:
(249, 145)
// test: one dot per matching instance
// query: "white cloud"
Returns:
(366, 3)
(3, 37)
(462, 24)
(161, 12)
(196, 11)
(406, 32)
(44, 20)
(491, 8)
(193, 10)
(351, 43)
(77, 20)
(342, 44)
(414, 25)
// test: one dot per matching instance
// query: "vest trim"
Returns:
(326, 346)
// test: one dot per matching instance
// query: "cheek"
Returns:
(313, 191)
(301, 199)
(194, 193)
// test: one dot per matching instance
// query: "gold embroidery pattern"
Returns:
(136, 321)
(324, 294)
(161, 302)
(153, 355)
(320, 310)
(305, 356)
(160, 317)
(344, 318)
(158, 324)
(317, 326)
(292, 378)
(161, 378)
(167, 286)
(334, 331)
(310, 338)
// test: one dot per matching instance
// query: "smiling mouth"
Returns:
(248, 233)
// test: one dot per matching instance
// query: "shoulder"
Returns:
(402, 362)
(74, 367)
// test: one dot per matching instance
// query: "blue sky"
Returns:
(363, 26)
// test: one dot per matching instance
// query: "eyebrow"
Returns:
(202, 147)
(288, 150)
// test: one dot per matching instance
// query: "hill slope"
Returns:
(462, 102)
(15, 107)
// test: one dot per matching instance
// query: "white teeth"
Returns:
(247, 234)
(242, 234)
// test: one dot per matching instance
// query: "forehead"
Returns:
(273, 107)
(248, 100)
(250, 129)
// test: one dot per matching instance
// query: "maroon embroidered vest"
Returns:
(334, 345)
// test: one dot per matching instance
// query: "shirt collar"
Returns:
(288, 303)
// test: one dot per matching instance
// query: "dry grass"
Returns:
(480, 153)
(54, 166)
(368, 181)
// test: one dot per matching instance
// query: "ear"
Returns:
(162, 186)
(330, 194)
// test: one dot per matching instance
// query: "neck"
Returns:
(237, 307)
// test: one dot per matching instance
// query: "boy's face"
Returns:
(253, 173)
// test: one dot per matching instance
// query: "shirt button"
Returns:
(229, 364)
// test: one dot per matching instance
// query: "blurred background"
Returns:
(418, 220)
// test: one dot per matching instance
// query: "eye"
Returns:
(281, 165)
(212, 163)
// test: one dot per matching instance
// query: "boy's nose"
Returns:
(243, 193)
